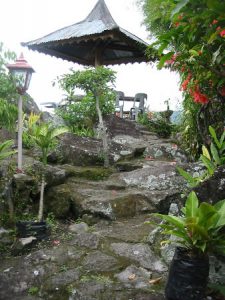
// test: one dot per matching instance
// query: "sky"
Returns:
(26, 20)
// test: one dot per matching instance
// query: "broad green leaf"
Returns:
(205, 152)
(208, 164)
(172, 220)
(5, 150)
(198, 232)
(220, 206)
(179, 6)
(6, 154)
(205, 213)
(182, 235)
(6, 145)
(214, 136)
(191, 205)
(215, 154)
(222, 139)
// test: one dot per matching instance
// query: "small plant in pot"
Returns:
(199, 231)
(44, 137)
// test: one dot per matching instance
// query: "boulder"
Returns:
(29, 105)
(83, 151)
(100, 262)
(212, 190)
(151, 146)
(134, 277)
(141, 254)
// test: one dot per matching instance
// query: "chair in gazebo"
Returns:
(118, 106)
(138, 105)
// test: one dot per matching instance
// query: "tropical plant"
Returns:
(5, 149)
(28, 127)
(97, 83)
(8, 114)
(211, 159)
(217, 146)
(44, 137)
(158, 123)
(199, 228)
(189, 36)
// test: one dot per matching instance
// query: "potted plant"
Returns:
(199, 231)
(44, 137)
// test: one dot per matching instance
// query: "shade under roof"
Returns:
(97, 40)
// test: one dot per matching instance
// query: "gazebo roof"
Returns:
(98, 35)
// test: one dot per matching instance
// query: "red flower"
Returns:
(222, 33)
(214, 22)
(218, 28)
(176, 24)
(184, 85)
(199, 97)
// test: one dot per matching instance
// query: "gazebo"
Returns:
(97, 40)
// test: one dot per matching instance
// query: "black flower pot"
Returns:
(40, 230)
(188, 276)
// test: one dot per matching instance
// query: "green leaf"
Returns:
(220, 207)
(177, 222)
(164, 59)
(212, 37)
(205, 152)
(182, 235)
(214, 136)
(163, 46)
(205, 213)
(5, 150)
(191, 180)
(222, 139)
(215, 154)
(191, 205)
(179, 6)
(194, 52)
(208, 164)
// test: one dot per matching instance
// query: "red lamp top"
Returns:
(20, 64)
(22, 72)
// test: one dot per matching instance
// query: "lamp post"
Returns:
(21, 72)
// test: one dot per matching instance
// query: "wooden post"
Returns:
(20, 132)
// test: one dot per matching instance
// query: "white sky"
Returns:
(25, 20)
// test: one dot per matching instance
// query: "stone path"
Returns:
(110, 260)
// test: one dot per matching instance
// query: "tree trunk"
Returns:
(41, 201)
(103, 134)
